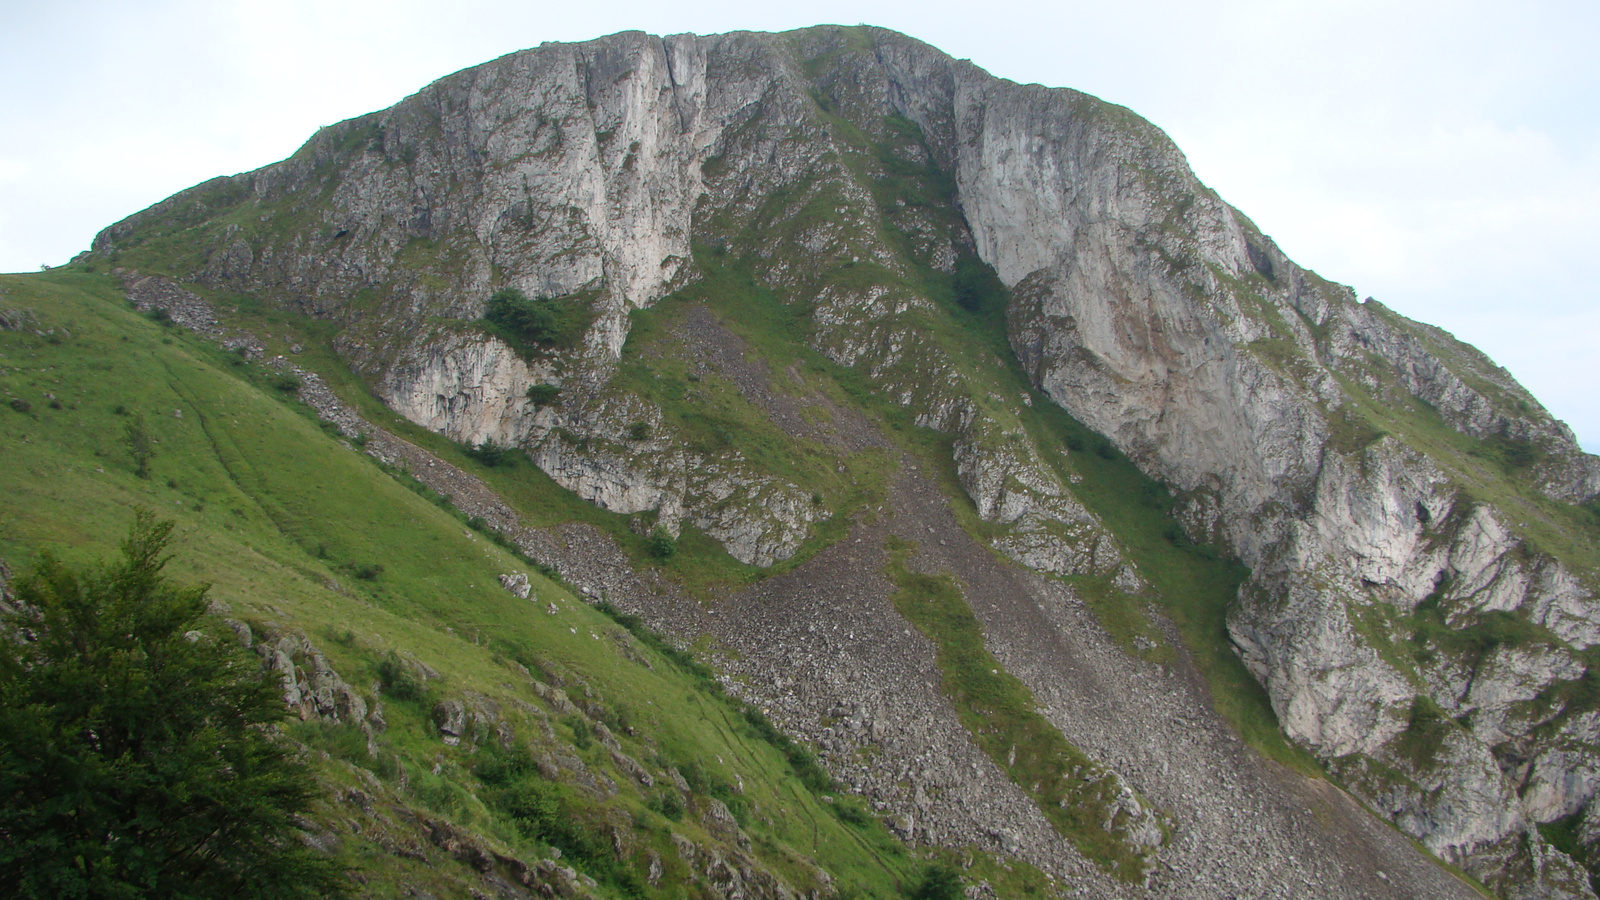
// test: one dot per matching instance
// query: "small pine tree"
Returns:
(141, 446)
(138, 751)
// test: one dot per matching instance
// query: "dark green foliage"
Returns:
(287, 382)
(1425, 733)
(940, 881)
(492, 454)
(399, 681)
(708, 780)
(582, 732)
(978, 290)
(544, 322)
(1593, 509)
(138, 759)
(20, 405)
(543, 394)
(668, 804)
(534, 804)
(365, 571)
(661, 544)
(160, 316)
(639, 431)
(340, 740)
(851, 812)
(545, 811)
(141, 446)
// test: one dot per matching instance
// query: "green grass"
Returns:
(1074, 793)
(276, 515)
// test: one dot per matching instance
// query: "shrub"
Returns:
(545, 322)
(141, 445)
(639, 431)
(660, 544)
(136, 761)
(493, 454)
(977, 289)
(399, 681)
(668, 804)
(366, 571)
(533, 804)
(940, 881)
(543, 394)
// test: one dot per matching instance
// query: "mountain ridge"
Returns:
(1380, 480)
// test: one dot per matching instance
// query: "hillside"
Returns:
(965, 435)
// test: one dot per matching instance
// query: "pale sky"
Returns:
(1443, 157)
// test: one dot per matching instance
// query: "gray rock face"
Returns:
(1159, 316)
(1397, 496)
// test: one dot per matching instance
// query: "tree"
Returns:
(940, 881)
(141, 446)
(138, 750)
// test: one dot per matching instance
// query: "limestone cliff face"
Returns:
(1158, 315)
(1413, 611)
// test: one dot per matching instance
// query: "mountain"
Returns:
(965, 433)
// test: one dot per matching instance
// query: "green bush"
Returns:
(141, 445)
(940, 881)
(545, 322)
(493, 455)
(533, 804)
(660, 544)
(543, 394)
(135, 759)
(399, 682)
(668, 804)
(977, 289)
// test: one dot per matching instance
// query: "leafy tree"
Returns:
(138, 753)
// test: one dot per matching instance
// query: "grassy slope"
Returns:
(1193, 586)
(279, 518)
(1190, 585)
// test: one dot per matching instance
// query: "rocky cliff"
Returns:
(1420, 605)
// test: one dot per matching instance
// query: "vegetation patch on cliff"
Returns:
(1076, 794)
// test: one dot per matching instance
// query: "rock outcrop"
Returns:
(1421, 604)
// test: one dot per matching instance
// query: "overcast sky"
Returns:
(1443, 157)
